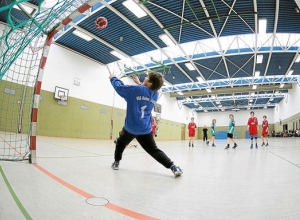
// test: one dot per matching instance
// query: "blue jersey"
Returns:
(231, 127)
(140, 102)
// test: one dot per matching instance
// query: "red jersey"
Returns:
(154, 127)
(252, 123)
(265, 128)
(192, 127)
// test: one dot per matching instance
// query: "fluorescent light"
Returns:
(208, 90)
(213, 96)
(281, 85)
(259, 58)
(257, 74)
(220, 106)
(200, 79)
(262, 25)
(166, 40)
(179, 93)
(290, 72)
(28, 9)
(134, 8)
(205, 110)
(254, 87)
(250, 100)
(190, 66)
(117, 54)
(82, 35)
(276, 92)
(252, 93)
(223, 110)
(298, 59)
(217, 102)
(196, 103)
(271, 99)
(49, 3)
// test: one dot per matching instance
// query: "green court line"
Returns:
(19, 204)
(285, 159)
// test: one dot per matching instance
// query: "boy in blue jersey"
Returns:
(230, 132)
(138, 121)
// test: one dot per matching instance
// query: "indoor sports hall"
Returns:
(230, 71)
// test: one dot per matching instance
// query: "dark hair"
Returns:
(156, 79)
(192, 118)
(264, 116)
(252, 112)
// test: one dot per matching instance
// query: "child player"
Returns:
(230, 132)
(192, 128)
(253, 129)
(265, 131)
(213, 133)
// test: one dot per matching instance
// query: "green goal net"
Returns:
(24, 26)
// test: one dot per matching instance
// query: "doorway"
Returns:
(183, 129)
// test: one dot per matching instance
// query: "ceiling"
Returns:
(221, 40)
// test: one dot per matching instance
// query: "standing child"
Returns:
(265, 131)
(253, 129)
(192, 128)
(140, 101)
(230, 132)
(213, 133)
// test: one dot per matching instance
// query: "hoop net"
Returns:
(22, 40)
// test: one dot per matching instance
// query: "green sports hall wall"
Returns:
(74, 122)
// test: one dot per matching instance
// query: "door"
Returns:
(183, 130)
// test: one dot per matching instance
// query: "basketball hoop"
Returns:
(62, 98)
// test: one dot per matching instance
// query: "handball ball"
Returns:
(101, 23)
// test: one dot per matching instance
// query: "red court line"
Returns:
(111, 206)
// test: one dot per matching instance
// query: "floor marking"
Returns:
(285, 159)
(19, 204)
(111, 206)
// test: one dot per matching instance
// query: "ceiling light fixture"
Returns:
(134, 8)
(117, 54)
(259, 58)
(200, 79)
(179, 93)
(254, 87)
(271, 99)
(290, 72)
(165, 38)
(262, 24)
(298, 59)
(190, 66)
(257, 74)
(82, 35)
(49, 3)
(208, 90)
(281, 85)
(27, 8)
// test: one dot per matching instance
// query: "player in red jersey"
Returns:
(192, 128)
(265, 131)
(253, 128)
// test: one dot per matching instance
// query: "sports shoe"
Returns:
(251, 146)
(176, 170)
(213, 145)
(115, 165)
(207, 143)
(192, 145)
(267, 144)
(256, 146)
(227, 146)
(235, 145)
(263, 144)
(189, 144)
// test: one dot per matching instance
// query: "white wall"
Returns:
(241, 117)
(63, 66)
(288, 106)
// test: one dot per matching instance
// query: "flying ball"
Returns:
(101, 23)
